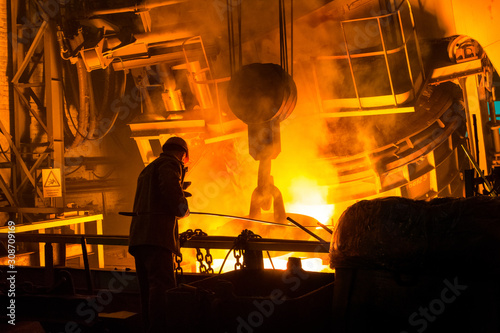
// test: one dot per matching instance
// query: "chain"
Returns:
(237, 255)
(178, 268)
(209, 260)
(240, 244)
(199, 257)
(199, 232)
(187, 235)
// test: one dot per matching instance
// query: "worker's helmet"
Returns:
(176, 143)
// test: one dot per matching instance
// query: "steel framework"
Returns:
(36, 136)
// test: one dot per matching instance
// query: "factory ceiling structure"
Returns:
(380, 87)
(293, 109)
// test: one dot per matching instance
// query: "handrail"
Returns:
(405, 37)
(361, 55)
(70, 238)
(372, 17)
(52, 223)
(213, 242)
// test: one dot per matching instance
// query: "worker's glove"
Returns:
(185, 185)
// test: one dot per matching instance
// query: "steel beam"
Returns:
(28, 106)
(53, 223)
(210, 242)
(32, 170)
(32, 210)
(19, 158)
(6, 191)
(54, 103)
(31, 51)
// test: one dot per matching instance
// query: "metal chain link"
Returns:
(199, 257)
(187, 235)
(237, 255)
(209, 260)
(199, 232)
(178, 268)
(240, 244)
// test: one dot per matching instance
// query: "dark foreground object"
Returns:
(253, 300)
(417, 266)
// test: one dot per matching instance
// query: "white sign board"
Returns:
(51, 180)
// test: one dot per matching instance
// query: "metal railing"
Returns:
(41, 226)
(369, 39)
(195, 242)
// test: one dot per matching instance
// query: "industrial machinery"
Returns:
(389, 98)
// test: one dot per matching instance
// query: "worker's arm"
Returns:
(170, 177)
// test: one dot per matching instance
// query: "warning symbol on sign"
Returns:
(51, 183)
(51, 180)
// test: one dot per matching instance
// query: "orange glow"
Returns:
(298, 173)
(228, 265)
(308, 264)
(279, 263)
(308, 198)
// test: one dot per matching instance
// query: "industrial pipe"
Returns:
(83, 109)
(213, 214)
(142, 7)
(307, 231)
(160, 35)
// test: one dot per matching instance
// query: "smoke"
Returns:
(223, 178)
(226, 175)
(305, 136)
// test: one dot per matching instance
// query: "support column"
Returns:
(54, 103)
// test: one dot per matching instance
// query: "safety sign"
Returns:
(51, 180)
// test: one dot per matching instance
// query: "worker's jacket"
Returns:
(159, 202)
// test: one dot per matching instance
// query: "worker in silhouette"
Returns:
(154, 237)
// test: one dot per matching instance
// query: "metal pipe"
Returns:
(325, 227)
(309, 232)
(145, 6)
(84, 106)
(495, 129)
(92, 109)
(241, 218)
(170, 33)
(213, 214)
